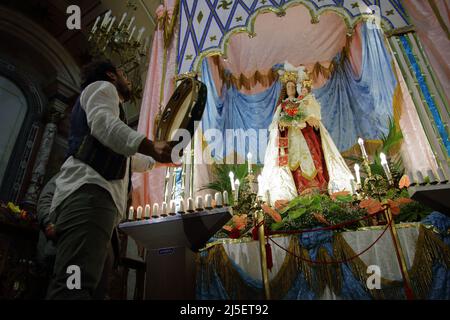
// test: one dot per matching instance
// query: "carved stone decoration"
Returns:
(31, 197)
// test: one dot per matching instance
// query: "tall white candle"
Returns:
(208, 202)
(231, 175)
(123, 19)
(199, 203)
(385, 166)
(106, 19)
(352, 183)
(259, 185)
(190, 205)
(131, 213)
(111, 24)
(164, 209)
(131, 34)
(131, 22)
(141, 32)
(226, 202)
(172, 209)
(236, 197)
(249, 162)
(139, 213)
(363, 149)
(94, 28)
(357, 174)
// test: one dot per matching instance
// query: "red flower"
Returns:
(235, 233)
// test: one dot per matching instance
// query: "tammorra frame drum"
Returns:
(185, 106)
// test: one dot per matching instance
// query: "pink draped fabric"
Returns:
(415, 150)
(149, 187)
(432, 35)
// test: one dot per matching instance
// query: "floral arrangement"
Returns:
(13, 214)
(291, 111)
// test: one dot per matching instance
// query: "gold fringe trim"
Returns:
(218, 261)
(429, 250)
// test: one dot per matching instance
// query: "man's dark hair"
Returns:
(96, 71)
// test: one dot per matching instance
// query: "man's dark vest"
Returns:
(85, 147)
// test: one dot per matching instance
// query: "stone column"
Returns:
(31, 197)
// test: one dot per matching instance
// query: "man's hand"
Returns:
(50, 232)
(161, 151)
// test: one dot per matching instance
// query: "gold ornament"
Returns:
(289, 76)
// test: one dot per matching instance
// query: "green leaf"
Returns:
(346, 198)
(277, 225)
(295, 214)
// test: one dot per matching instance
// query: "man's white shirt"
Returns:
(100, 100)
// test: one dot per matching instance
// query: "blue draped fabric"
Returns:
(359, 105)
(352, 288)
(235, 110)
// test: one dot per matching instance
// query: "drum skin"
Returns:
(185, 106)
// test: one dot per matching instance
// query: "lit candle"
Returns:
(231, 175)
(131, 22)
(181, 207)
(357, 173)
(141, 32)
(225, 198)
(218, 199)
(123, 19)
(237, 183)
(190, 205)
(155, 211)
(111, 24)
(363, 149)
(147, 211)
(131, 34)
(249, 163)
(94, 28)
(208, 202)
(131, 214)
(385, 166)
(139, 213)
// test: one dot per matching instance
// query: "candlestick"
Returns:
(363, 149)
(358, 174)
(131, 214)
(147, 211)
(122, 20)
(231, 175)
(190, 205)
(249, 163)
(237, 183)
(155, 211)
(218, 199)
(139, 213)
(225, 198)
